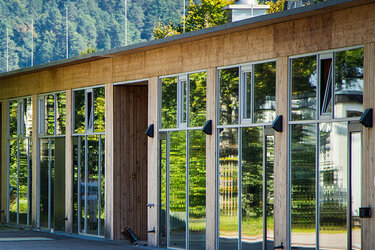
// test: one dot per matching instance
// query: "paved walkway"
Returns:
(16, 239)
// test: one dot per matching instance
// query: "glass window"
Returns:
(99, 109)
(60, 113)
(252, 187)
(247, 76)
(228, 96)
(79, 111)
(326, 80)
(197, 99)
(349, 83)
(304, 85)
(169, 102)
(333, 186)
(197, 190)
(228, 188)
(264, 92)
(49, 115)
(303, 194)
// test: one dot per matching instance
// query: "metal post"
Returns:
(49, 183)
(99, 182)
(7, 50)
(184, 15)
(32, 42)
(79, 214)
(18, 181)
(86, 181)
(67, 33)
(126, 22)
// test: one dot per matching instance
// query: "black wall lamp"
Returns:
(150, 131)
(365, 212)
(207, 128)
(277, 124)
(366, 118)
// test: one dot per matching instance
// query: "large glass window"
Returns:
(246, 108)
(51, 134)
(325, 181)
(88, 161)
(183, 162)
(334, 79)
(19, 161)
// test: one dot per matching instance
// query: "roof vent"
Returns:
(244, 9)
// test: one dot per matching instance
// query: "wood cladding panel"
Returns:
(130, 159)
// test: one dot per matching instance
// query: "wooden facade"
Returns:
(132, 175)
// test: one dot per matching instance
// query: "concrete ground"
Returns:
(17, 239)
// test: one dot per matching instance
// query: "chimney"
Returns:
(244, 9)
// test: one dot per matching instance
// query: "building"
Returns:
(75, 157)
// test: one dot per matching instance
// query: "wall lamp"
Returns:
(277, 124)
(366, 118)
(150, 131)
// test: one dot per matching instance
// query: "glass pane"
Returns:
(228, 96)
(303, 194)
(183, 101)
(177, 189)
(81, 187)
(58, 194)
(102, 186)
(27, 117)
(356, 176)
(252, 188)
(49, 115)
(304, 83)
(92, 184)
(44, 159)
(326, 86)
(163, 191)
(79, 111)
(13, 118)
(76, 182)
(247, 101)
(270, 143)
(228, 189)
(264, 92)
(61, 113)
(23, 174)
(13, 183)
(99, 109)
(169, 102)
(197, 190)
(349, 83)
(197, 99)
(333, 192)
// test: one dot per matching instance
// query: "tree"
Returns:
(208, 13)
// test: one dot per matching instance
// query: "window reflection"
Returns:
(228, 96)
(349, 83)
(197, 190)
(304, 84)
(333, 190)
(169, 102)
(264, 92)
(79, 111)
(228, 188)
(356, 187)
(197, 99)
(303, 201)
(252, 187)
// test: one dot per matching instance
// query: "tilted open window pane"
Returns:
(349, 83)
(326, 80)
(27, 117)
(99, 109)
(303, 183)
(228, 96)
(169, 102)
(79, 111)
(197, 99)
(304, 84)
(247, 95)
(264, 92)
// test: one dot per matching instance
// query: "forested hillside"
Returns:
(92, 23)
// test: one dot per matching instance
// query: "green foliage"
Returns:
(206, 14)
(275, 6)
(99, 23)
(88, 50)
